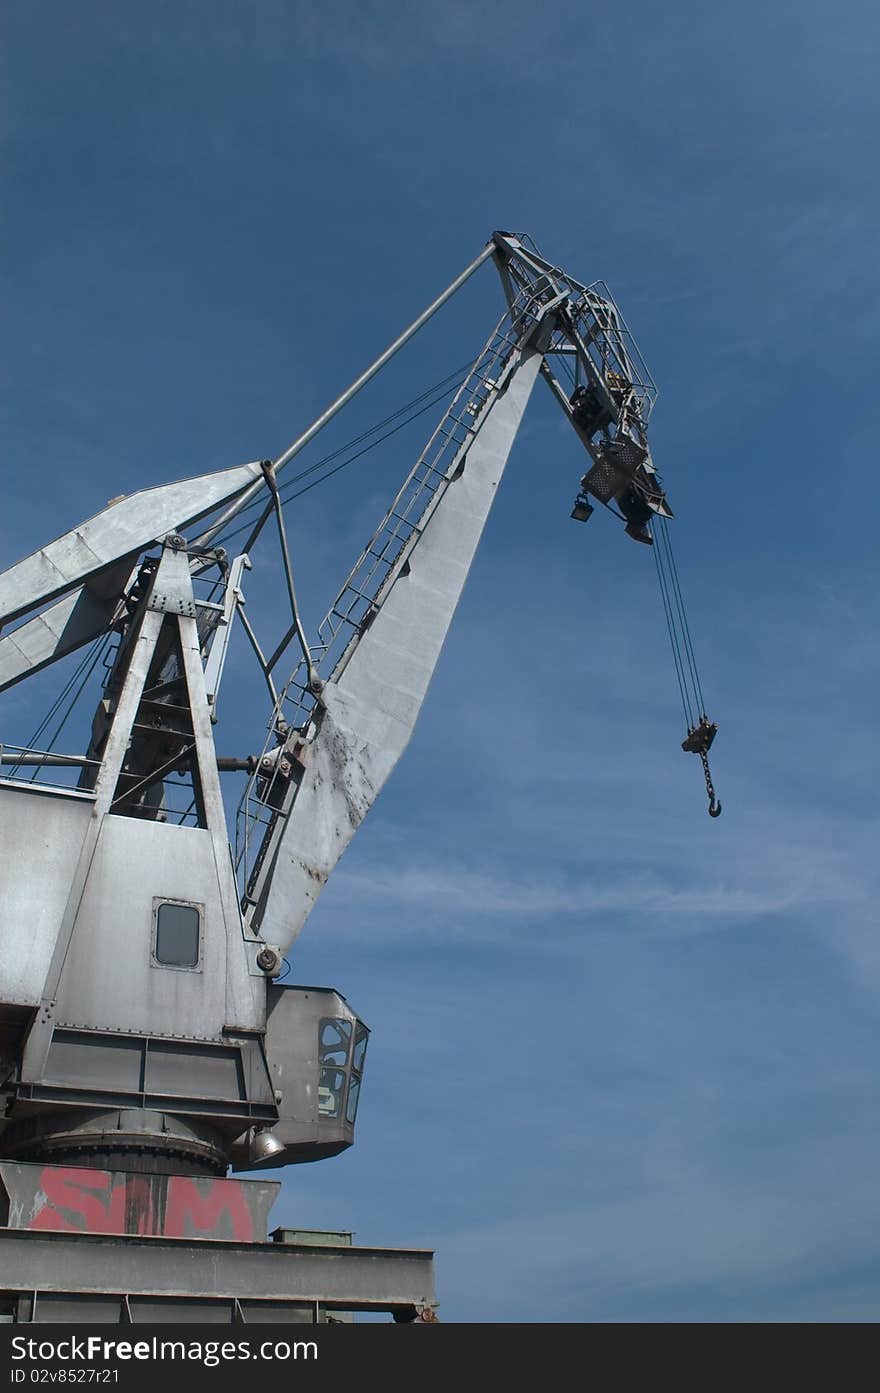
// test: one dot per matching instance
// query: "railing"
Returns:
(23, 764)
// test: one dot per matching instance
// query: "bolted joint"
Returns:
(270, 961)
(268, 469)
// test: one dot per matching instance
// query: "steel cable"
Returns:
(443, 387)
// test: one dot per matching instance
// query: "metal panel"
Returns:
(273, 1313)
(41, 833)
(124, 529)
(89, 1264)
(60, 629)
(142, 648)
(80, 1200)
(369, 713)
(171, 1069)
(109, 981)
(80, 1061)
(315, 1238)
(71, 1309)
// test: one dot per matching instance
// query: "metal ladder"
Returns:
(381, 559)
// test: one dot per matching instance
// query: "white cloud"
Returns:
(457, 890)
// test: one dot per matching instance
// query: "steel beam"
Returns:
(117, 534)
(69, 624)
(96, 1264)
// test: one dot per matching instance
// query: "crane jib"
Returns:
(368, 713)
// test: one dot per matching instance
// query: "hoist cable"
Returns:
(676, 657)
(444, 386)
(684, 621)
(429, 407)
(83, 671)
(80, 689)
(35, 736)
(287, 496)
(88, 660)
(685, 648)
(700, 730)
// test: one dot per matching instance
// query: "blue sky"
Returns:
(624, 1059)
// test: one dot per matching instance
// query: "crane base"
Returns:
(112, 1247)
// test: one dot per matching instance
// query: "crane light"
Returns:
(264, 1145)
(583, 508)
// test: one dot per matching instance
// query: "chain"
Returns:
(714, 805)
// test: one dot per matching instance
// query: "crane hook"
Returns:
(714, 805)
(698, 742)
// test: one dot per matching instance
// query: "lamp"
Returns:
(264, 1146)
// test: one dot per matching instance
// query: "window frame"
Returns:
(158, 902)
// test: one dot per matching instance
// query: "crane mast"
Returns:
(143, 1026)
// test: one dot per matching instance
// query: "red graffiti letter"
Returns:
(195, 1208)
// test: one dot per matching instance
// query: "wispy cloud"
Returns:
(456, 890)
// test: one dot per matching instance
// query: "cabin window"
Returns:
(178, 935)
(357, 1069)
(335, 1045)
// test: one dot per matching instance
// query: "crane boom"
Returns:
(366, 712)
(309, 795)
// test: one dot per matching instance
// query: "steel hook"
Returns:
(700, 747)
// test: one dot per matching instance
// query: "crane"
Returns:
(144, 1020)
